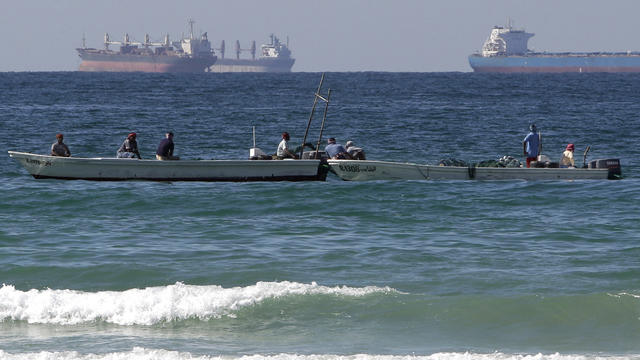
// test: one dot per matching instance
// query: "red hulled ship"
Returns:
(190, 54)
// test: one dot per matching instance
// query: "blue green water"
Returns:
(334, 270)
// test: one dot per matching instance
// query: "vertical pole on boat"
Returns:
(254, 136)
(326, 106)
(313, 109)
(539, 144)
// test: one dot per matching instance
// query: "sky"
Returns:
(327, 35)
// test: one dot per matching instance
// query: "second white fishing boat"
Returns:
(364, 170)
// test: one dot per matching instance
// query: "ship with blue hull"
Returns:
(506, 51)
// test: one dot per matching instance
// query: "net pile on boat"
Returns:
(453, 162)
(505, 161)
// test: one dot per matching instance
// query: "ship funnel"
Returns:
(126, 39)
(167, 43)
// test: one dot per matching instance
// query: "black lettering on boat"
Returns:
(38, 162)
(350, 168)
(356, 168)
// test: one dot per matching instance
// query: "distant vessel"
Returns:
(187, 55)
(505, 51)
(274, 57)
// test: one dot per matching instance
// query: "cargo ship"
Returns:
(506, 51)
(274, 57)
(189, 55)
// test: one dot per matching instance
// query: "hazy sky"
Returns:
(328, 35)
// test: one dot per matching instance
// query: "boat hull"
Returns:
(249, 65)
(556, 63)
(107, 62)
(366, 170)
(111, 169)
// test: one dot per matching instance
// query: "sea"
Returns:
(334, 270)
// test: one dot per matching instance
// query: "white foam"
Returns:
(153, 304)
(625, 294)
(148, 354)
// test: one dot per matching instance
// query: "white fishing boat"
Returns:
(112, 169)
(364, 170)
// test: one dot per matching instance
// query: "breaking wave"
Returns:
(153, 305)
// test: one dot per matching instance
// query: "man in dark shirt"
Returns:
(165, 149)
(59, 148)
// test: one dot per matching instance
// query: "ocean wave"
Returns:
(138, 353)
(153, 305)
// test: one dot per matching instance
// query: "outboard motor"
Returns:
(615, 171)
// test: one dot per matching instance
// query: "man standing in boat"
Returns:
(283, 148)
(59, 148)
(531, 145)
(129, 148)
(165, 149)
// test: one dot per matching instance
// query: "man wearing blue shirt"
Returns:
(531, 145)
(336, 151)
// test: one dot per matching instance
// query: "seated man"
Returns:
(59, 148)
(165, 149)
(129, 148)
(567, 157)
(283, 148)
(336, 151)
(355, 152)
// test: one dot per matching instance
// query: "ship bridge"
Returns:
(506, 41)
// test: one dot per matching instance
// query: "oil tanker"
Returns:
(274, 57)
(506, 51)
(190, 55)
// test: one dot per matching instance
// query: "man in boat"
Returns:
(336, 151)
(165, 149)
(129, 148)
(283, 148)
(355, 152)
(59, 148)
(531, 145)
(567, 157)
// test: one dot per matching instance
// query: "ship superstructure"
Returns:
(506, 50)
(274, 57)
(190, 54)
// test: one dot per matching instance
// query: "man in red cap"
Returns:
(59, 148)
(283, 151)
(129, 148)
(567, 157)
